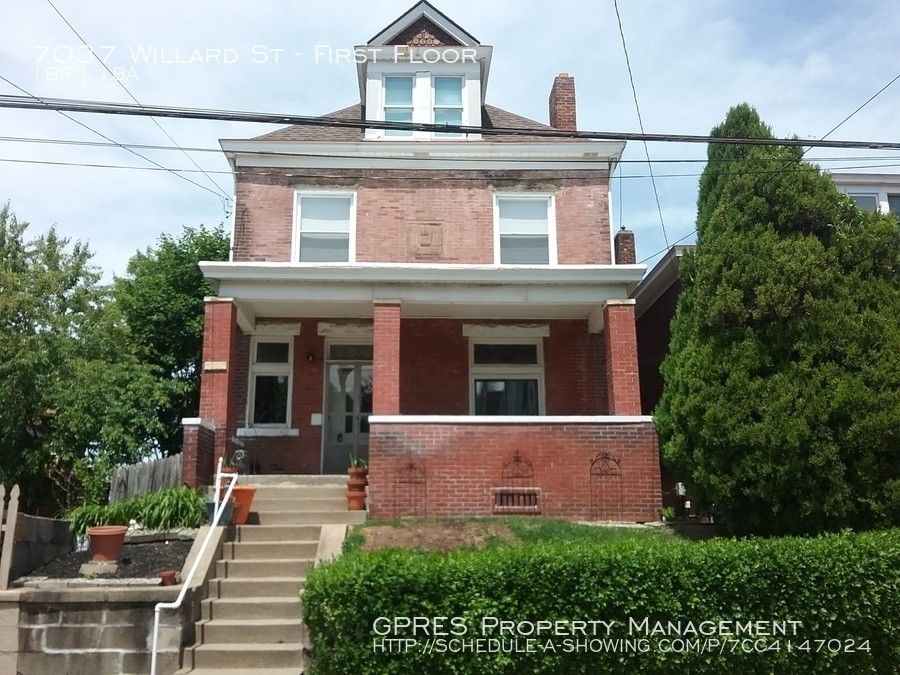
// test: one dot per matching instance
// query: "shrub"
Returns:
(163, 510)
(844, 590)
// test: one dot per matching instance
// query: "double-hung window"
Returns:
(398, 103)
(448, 103)
(524, 230)
(866, 202)
(506, 377)
(270, 382)
(423, 98)
(324, 227)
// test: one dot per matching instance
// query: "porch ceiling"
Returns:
(273, 290)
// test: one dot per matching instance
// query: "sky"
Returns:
(804, 66)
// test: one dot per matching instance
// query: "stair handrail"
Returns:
(217, 514)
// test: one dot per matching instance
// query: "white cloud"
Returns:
(805, 67)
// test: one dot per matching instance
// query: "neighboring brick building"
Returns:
(446, 304)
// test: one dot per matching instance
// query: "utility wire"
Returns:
(144, 146)
(390, 178)
(637, 107)
(226, 197)
(870, 99)
(32, 103)
(107, 138)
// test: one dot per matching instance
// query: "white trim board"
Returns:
(509, 419)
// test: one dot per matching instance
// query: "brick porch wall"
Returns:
(461, 462)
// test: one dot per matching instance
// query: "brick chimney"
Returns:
(562, 103)
(624, 244)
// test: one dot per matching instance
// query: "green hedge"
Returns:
(164, 510)
(843, 589)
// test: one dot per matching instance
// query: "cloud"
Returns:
(805, 67)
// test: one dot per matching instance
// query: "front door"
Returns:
(348, 404)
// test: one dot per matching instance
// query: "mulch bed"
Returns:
(138, 560)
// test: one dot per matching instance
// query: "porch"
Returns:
(451, 373)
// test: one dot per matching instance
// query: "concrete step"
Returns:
(261, 569)
(283, 587)
(297, 480)
(226, 656)
(259, 550)
(304, 517)
(242, 671)
(259, 631)
(300, 503)
(277, 533)
(260, 607)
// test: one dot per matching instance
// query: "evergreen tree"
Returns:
(781, 404)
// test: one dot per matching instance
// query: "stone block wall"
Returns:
(37, 542)
(98, 632)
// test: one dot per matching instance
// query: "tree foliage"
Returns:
(75, 400)
(781, 404)
(162, 301)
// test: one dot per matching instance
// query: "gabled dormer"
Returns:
(423, 68)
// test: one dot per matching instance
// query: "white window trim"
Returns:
(551, 223)
(295, 228)
(485, 371)
(461, 107)
(423, 104)
(269, 369)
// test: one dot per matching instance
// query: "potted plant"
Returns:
(107, 542)
(356, 483)
(227, 512)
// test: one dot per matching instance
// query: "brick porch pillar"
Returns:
(386, 358)
(620, 344)
(217, 369)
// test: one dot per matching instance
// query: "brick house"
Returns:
(450, 305)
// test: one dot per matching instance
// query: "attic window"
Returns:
(398, 103)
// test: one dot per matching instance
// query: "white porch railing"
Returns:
(185, 583)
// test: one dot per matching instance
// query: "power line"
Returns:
(318, 174)
(107, 138)
(145, 146)
(32, 103)
(225, 195)
(870, 99)
(662, 222)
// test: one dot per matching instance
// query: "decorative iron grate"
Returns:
(516, 499)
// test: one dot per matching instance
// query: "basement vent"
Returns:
(516, 499)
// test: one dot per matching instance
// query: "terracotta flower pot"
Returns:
(243, 498)
(167, 578)
(107, 542)
(356, 501)
(358, 472)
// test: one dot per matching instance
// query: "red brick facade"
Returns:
(621, 359)
(424, 216)
(422, 244)
(433, 469)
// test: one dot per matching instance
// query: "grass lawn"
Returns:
(446, 534)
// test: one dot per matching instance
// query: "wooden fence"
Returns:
(136, 479)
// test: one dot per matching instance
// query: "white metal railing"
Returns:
(217, 515)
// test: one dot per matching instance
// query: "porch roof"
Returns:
(295, 290)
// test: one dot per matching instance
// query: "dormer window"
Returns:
(398, 103)
(423, 98)
(448, 102)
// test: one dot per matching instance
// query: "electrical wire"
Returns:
(637, 107)
(107, 138)
(226, 197)
(33, 103)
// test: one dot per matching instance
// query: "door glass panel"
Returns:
(365, 389)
